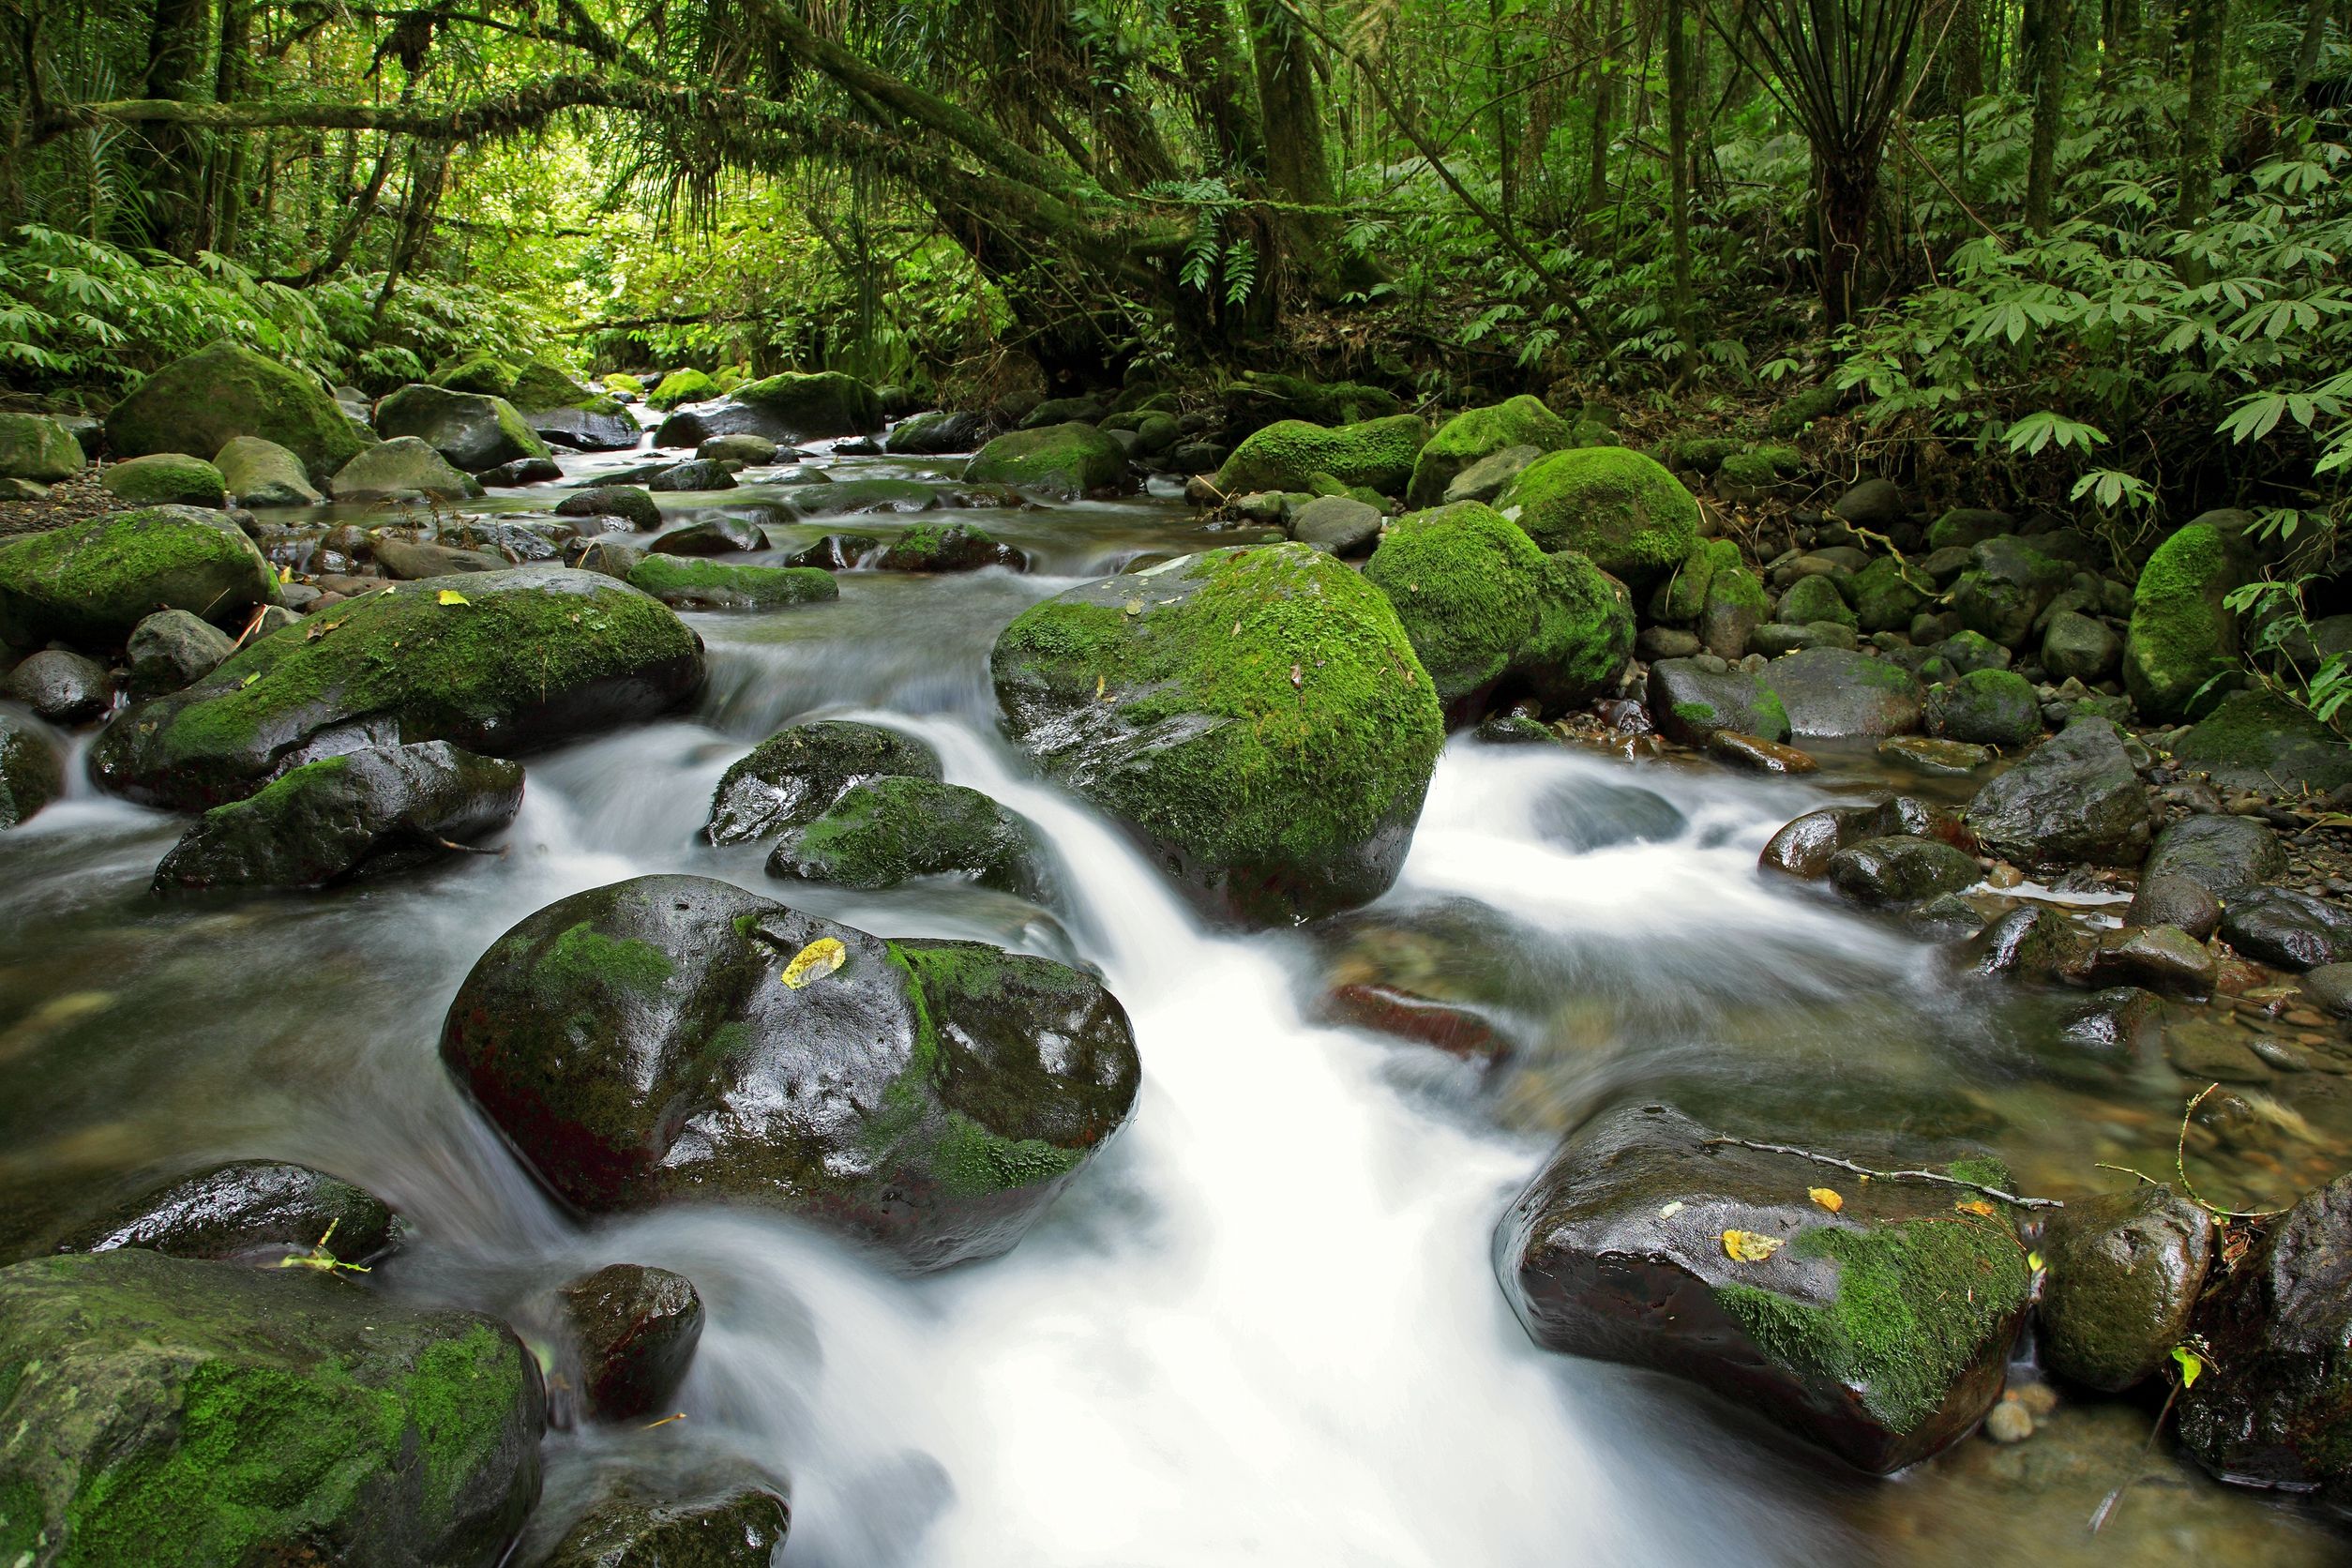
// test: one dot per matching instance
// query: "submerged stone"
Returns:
(2124, 1272)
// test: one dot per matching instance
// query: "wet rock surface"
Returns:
(2124, 1273)
(246, 1210)
(634, 1330)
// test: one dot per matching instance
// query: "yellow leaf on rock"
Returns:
(1975, 1206)
(815, 961)
(1827, 1198)
(450, 595)
(1746, 1247)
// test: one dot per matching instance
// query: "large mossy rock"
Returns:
(1830, 693)
(472, 431)
(260, 473)
(561, 410)
(32, 768)
(166, 480)
(808, 407)
(2182, 634)
(686, 386)
(1056, 460)
(1986, 707)
(794, 775)
(91, 583)
(155, 1410)
(1624, 511)
(36, 447)
(887, 831)
(517, 659)
(2009, 582)
(1256, 715)
(1880, 1330)
(2275, 1408)
(1689, 704)
(1481, 606)
(1377, 454)
(474, 371)
(1480, 432)
(938, 433)
(2254, 739)
(405, 465)
(202, 402)
(685, 583)
(2125, 1270)
(2074, 798)
(651, 1041)
(370, 812)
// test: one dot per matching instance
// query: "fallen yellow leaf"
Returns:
(815, 961)
(1827, 1198)
(450, 595)
(2191, 1365)
(1975, 1206)
(1746, 1247)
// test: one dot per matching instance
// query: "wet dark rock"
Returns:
(2124, 1273)
(722, 536)
(1899, 872)
(744, 1528)
(699, 475)
(885, 831)
(634, 1329)
(257, 1416)
(2258, 741)
(1688, 702)
(1964, 527)
(794, 775)
(2008, 584)
(948, 548)
(2287, 930)
(370, 812)
(2078, 646)
(2112, 1029)
(1757, 755)
(1665, 642)
(533, 655)
(638, 1044)
(1584, 815)
(472, 431)
(2224, 855)
(246, 1210)
(1880, 1330)
(1339, 524)
(835, 552)
(622, 501)
(1830, 692)
(2032, 941)
(2279, 1324)
(2073, 798)
(2170, 899)
(1804, 845)
(62, 688)
(2203, 1049)
(522, 471)
(1935, 755)
(410, 561)
(1874, 503)
(1402, 1014)
(32, 768)
(931, 436)
(2162, 958)
(743, 447)
(1987, 707)
(2329, 986)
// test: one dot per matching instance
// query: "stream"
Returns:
(1264, 1327)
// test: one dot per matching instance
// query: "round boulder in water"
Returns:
(742, 1527)
(634, 1329)
(92, 582)
(497, 662)
(1256, 715)
(794, 775)
(674, 1037)
(885, 830)
(32, 768)
(622, 501)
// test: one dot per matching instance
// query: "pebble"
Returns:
(2008, 1422)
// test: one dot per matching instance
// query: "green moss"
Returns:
(1681, 599)
(1697, 713)
(199, 403)
(582, 958)
(1067, 460)
(541, 385)
(1377, 453)
(699, 581)
(92, 583)
(620, 381)
(1464, 582)
(1624, 511)
(1915, 1304)
(35, 446)
(1812, 599)
(166, 480)
(824, 403)
(682, 386)
(1583, 637)
(477, 370)
(1478, 432)
(1700, 454)
(970, 1161)
(2181, 635)
(882, 831)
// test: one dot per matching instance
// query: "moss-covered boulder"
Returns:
(1288, 454)
(475, 371)
(628, 502)
(2010, 581)
(199, 403)
(685, 584)
(795, 774)
(32, 768)
(371, 812)
(1624, 511)
(953, 546)
(159, 1410)
(166, 480)
(1831, 693)
(1811, 600)
(472, 431)
(2182, 634)
(1058, 460)
(561, 410)
(260, 473)
(1583, 637)
(1256, 715)
(1735, 602)
(499, 663)
(1480, 433)
(1885, 594)
(886, 831)
(673, 1037)
(405, 467)
(682, 386)
(1879, 1330)
(1689, 702)
(2256, 740)
(938, 433)
(1464, 582)
(36, 447)
(1987, 707)
(810, 407)
(91, 583)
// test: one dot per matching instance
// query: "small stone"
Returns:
(1757, 755)
(2008, 1422)
(2203, 1050)
(635, 1329)
(1935, 755)
(2162, 958)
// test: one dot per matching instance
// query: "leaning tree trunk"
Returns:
(2046, 25)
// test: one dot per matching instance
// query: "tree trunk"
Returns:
(2307, 50)
(179, 44)
(1678, 57)
(2046, 27)
(1845, 192)
(228, 203)
(2203, 28)
(1604, 105)
(1298, 154)
(1220, 92)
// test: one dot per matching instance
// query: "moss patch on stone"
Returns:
(1464, 582)
(1624, 511)
(1478, 432)
(1288, 454)
(1583, 637)
(90, 584)
(2181, 635)
(1065, 459)
(682, 386)
(684, 581)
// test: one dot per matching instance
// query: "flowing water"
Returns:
(1263, 1326)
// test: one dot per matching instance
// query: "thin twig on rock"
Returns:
(1935, 1176)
